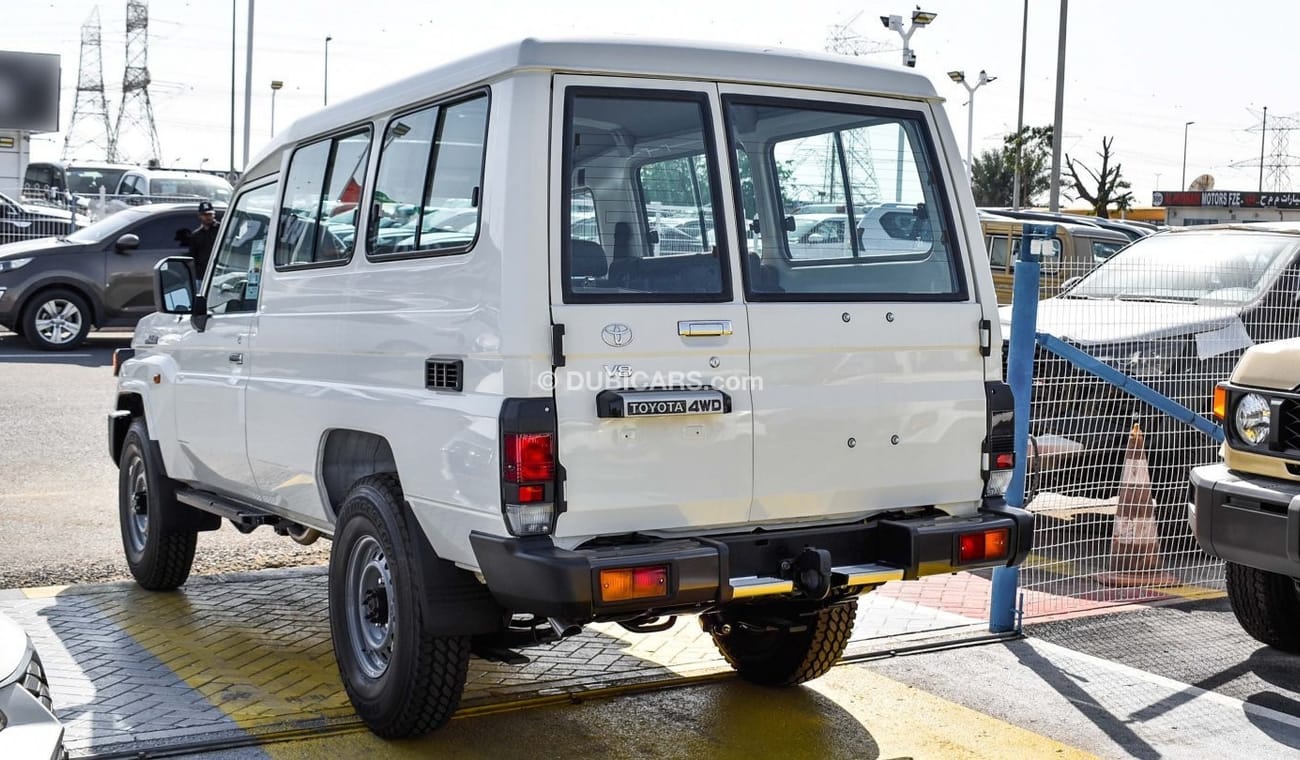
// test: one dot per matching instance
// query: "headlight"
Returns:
(1252, 419)
(1160, 357)
(7, 265)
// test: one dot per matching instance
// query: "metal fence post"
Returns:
(1020, 375)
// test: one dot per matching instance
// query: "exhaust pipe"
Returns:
(564, 628)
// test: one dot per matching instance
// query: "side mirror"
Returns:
(653, 237)
(127, 242)
(173, 285)
(815, 238)
(1070, 283)
(789, 224)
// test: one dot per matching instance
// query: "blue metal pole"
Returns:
(1020, 375)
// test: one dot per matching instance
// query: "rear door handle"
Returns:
(237, 358)
(710, 328)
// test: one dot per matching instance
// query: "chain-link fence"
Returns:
(1107, 469)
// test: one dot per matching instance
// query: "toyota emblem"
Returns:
(616, 335)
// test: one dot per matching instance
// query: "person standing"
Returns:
(203, 239)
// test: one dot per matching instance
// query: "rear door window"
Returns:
(318, 215)
(883, 228)
(642, 182)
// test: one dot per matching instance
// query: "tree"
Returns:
(1110, 187)
(993, 171)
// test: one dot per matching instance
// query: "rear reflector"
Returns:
(983, 546)
(1004, 461)
(624, 583)
(532, 494)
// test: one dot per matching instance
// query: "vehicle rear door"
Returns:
(868, 375)
(652, 401)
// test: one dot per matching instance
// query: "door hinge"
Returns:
(557, 345)
(986, 338)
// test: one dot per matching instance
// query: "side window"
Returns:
(863, 213)
(583, 224)
(647, 156)
(322, 193)
(999, 252)
(237, 271)
(164, 232)
(427, 194)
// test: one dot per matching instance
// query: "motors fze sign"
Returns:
(1225, 199)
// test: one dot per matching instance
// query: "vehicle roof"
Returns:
(1287, 228)
(65, 165)
(676, 59)
(1074, 228)
(152, 173)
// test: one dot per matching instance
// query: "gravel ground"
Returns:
(58, 488)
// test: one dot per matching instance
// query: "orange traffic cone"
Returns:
(1135, 543)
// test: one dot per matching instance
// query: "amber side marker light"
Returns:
(982, 546)
(625, 583)
(1220, 409)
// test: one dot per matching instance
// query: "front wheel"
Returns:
(403, 680)
(56, 320)
(159, 544)
(1267, 605)
(774, 648)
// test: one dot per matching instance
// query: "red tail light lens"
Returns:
(982, 546)
(1004, 461)
(532, 494)
(624, 583)
(528, 457)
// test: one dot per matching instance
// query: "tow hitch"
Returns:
(810, 571)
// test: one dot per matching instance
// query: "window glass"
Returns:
(647, 162)
(237, 270)
(162, 233)
(859, 210)
(318, 216)
(583, 224)
(427, 195)
(999, 252)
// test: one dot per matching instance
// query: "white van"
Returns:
(538, 419)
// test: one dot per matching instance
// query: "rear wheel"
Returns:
(776, 647)
(158, 541)
(1267, 605)
(56, 320)
(403, 679)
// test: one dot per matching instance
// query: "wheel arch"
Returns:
(346, 456)
(81, 288)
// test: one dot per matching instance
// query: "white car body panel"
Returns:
(343, 347)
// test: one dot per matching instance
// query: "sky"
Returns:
(1135, 70)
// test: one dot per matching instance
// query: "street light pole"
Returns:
(960, 78)
(327, 70)
(248, 85)
(276, 84)
(1054, 192)
(920, 18)
(1020, 111)
(1183, 185)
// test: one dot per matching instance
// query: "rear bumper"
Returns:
(532, 575)
(1250, 520)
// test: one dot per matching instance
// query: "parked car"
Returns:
(1072, 250)
(1243, 509)
(511, 433)
(54, 289)
(1175, 310)
(28, 726)
(56, 180)
(26, 221)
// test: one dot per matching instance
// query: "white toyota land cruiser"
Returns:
(440, 328)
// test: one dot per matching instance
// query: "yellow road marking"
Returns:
(44, 592)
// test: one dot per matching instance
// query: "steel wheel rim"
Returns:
(58, 321)
(137, 503)
(370, 608)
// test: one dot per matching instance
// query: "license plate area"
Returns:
(618, 404)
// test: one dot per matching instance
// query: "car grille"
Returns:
(1288, 436)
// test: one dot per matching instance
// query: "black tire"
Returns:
(1267, 605)
(56, 320)
(786, 656)
(158, 542)
(403, 680)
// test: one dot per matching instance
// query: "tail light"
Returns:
(529, 482)
(982, 546)
(624, 583)
(1000, 445)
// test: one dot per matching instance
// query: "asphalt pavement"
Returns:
(58, 488)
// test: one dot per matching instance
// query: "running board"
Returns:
(242, 515)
